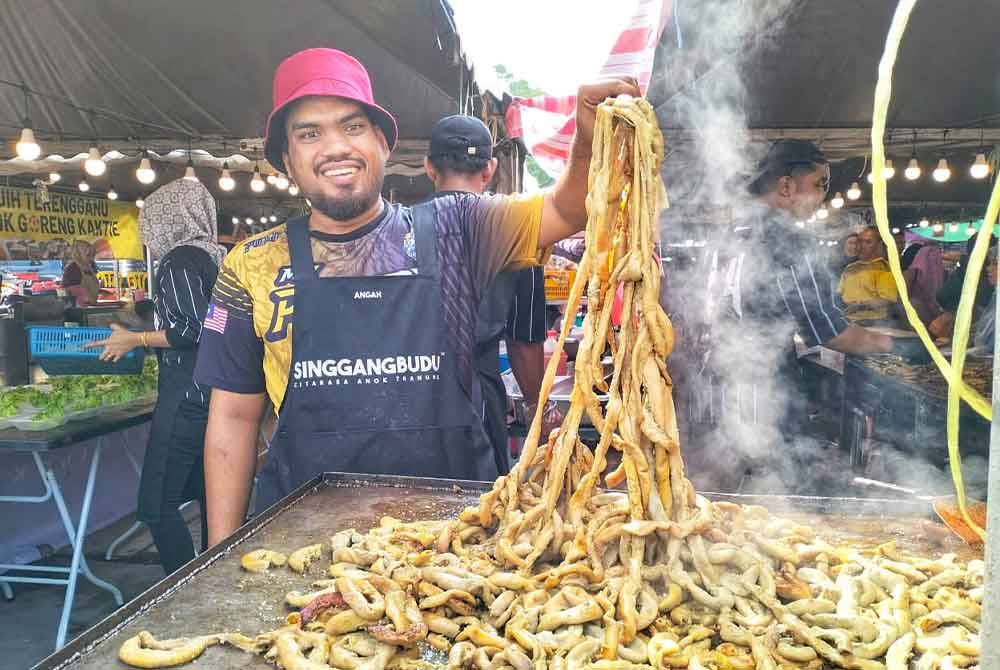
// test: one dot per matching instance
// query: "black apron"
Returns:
(372, 386)
(174, 386)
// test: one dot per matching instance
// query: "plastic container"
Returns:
(504, 358)
(60, 351)
(550, 347)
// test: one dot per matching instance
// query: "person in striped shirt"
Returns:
(765, 286)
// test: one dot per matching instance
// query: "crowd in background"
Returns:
(864, 289)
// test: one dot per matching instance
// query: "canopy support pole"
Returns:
(990, 633)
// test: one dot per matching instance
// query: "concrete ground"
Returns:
(28, 623)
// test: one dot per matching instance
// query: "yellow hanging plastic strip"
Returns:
(952, 372)
(883, 94)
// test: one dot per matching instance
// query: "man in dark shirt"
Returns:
(460, 159)
(763, 289)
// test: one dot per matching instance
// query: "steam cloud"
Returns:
(731, 376)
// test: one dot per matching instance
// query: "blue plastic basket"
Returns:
(60, 351)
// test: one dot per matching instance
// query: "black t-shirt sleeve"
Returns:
(526, 321)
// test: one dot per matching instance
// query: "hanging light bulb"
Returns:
(27, 148)
(84, 186)
(822, 212)
(226, 181)
(912, 171)
(189, 170)
(980, 169)
(924, 222)
(281, 182)
(895, 231)
(272, 218)
(953, 228)
(942, 172)
(854, 192)
(938, 228)
(145, 172)
(54, 177)
(970, 231)
(811, 219)
(889, 171)
(249, 221)
(140, 203)
(263, 219)
(236, 220)
(800, 224)
(293, 190)
(838, 201)
(112, 193)
(271, 179)
(95, 165)
(257, 184)
(870, 178)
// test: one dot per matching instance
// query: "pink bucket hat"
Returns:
(320, 72)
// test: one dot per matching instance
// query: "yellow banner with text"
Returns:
(28, 218)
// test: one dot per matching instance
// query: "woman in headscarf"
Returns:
(80, 273)
(178, 225)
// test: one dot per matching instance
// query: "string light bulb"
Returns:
(226, 181)
(145, 174)
(249, 221)
(800, 224)
(263, 219)
(112, 193)
(293, 190)
(811, 219)
(942, 172)
(889, 171)
(236, 220)
(895, 231)
(27, 148)
(925, 222)
(189, 170)
(83, 186)
(257, 185)
(837, 201)
(822, 212)
(953, 228)
(980, 169)
(95, 165)
(912, 171)
(970, 231)
(870, 178)
(854, 192)
(281, 182)
(272, 218)
(140, 203)
(271, 179)
(54, 177)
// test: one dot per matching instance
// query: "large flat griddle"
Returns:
(213, 595)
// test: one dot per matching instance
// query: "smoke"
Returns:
(741, 395)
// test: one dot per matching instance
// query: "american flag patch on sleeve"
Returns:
(216, 318)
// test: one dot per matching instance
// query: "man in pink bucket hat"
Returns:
(357, 320)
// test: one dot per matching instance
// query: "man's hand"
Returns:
(120, 342)
(589, 97)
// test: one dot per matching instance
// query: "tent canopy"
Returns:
(161, 74)
(810, 72)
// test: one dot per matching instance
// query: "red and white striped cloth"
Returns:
(547, 123)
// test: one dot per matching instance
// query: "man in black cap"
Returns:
(460, 159)
(766, 286)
